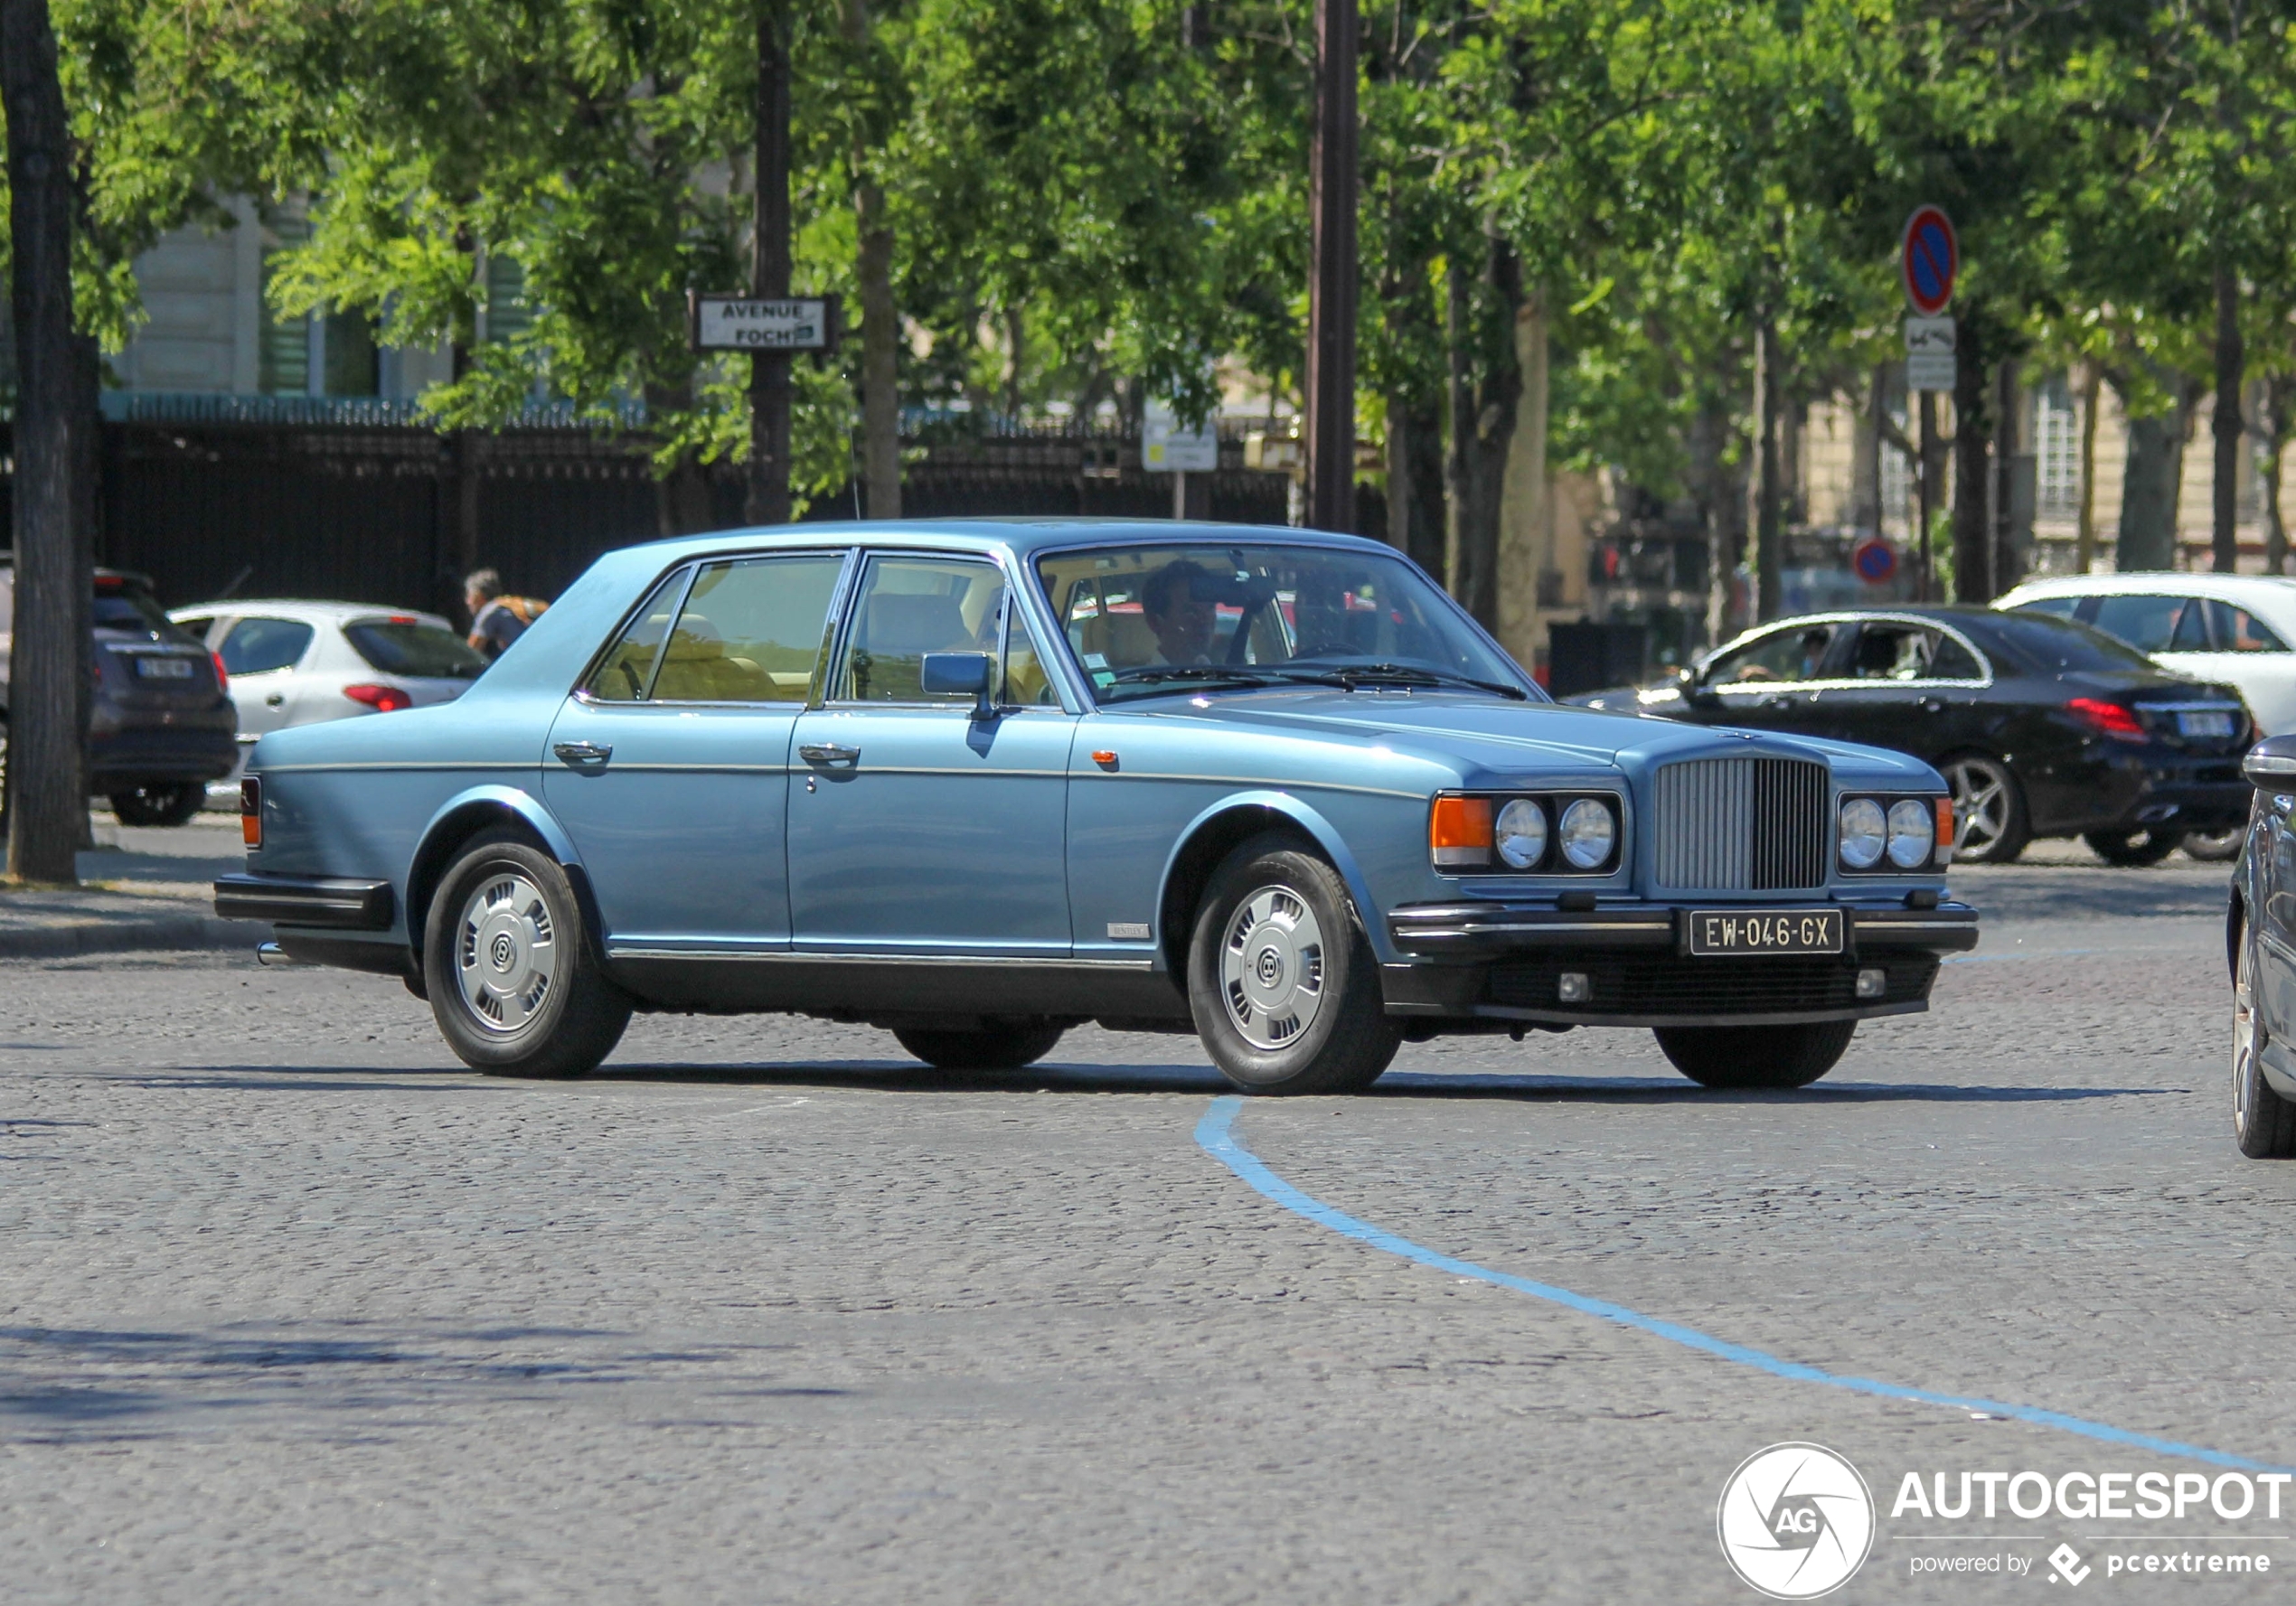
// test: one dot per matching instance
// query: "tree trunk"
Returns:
(1526, 519)
(54, 496)
(1398, 456)
(1763, 499)
(1423, 468)
(1929, 492)
(2271, 435)
(2150, 483)
(1865, 448)
(768, 498)
(2084, 542)
(1721, 510)
(1972, 445)
(1487, 386)
(881, 355)
(2223, 532)
(2010, 533)
(1459, 411)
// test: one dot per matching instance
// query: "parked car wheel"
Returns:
(2263, 1123)
(172, 804)
(2215, 847)
(1280, 979)
(513, 979)
(2133, 849)
(996, 1045)
(1989, 807)
(1744, 1056)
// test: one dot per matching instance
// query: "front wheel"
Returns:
(1746, 1056)
(1282, 980)
(2215, 847)
(172, 804)
(1988, 809)
(2263, 1123)
(994, 1046)
(513, 979)
(2133, 849)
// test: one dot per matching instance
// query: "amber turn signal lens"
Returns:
(1944, 829)
(1106, 758)
(252, 811)
(1459, 833)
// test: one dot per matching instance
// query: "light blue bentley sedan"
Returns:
(977, 782)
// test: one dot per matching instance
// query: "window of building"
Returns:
(2056, 444)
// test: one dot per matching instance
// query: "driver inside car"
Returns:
(1178, 604)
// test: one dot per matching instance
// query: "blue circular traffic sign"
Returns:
(1929, 259)
(1875, 561)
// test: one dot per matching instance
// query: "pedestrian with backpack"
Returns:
(497, 620)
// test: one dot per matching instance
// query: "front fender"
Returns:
(1284, 805)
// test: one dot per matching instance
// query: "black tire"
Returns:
(1989, 806)
(2263, 1123)
(172, 805)
(533, 932)
(1284, 915)
(2215, 847)
(996, 1045)
(2133, 849)
(1746, 1057)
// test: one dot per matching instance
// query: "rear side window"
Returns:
(2148, 623)
(751, 631)
(2233, 629)
(2063, 607)
(2050, 645)
(415, 650)
(627, 670)
(256, 647)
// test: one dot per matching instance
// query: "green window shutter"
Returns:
(508, 315)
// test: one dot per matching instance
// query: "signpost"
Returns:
(1929, 261)
(749, 324)
(1169, 447)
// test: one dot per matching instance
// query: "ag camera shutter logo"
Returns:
(1796, 1521)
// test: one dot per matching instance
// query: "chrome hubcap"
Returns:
(1980, 807)
(506, 954)
(2244, 1043)
(1271, 968)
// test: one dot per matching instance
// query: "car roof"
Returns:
(312, 613)
(1026, 536)
(2167, 582)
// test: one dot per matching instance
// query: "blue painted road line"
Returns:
(1216, 1135)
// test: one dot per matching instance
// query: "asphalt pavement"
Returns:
(296, 1309)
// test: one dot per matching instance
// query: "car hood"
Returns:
(1499, 738)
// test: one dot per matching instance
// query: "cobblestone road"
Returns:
(292, 1307)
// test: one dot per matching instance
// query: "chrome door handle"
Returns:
(1933, 705)
(828, 753)
(583, 752)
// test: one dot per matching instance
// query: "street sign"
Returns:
(745, 323)
(1169, 447)
(1875, 561)
(1929, 259)
(1929, 354)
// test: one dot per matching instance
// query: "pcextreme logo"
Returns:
(1796, 1521)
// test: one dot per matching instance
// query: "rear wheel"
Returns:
(171, 804)
(2263, 1123)
(994, 1046)
(513, 979)
(2133, 849)
(1756, 1056)
(1282, 980)
(2215, 847)
(1988, 809)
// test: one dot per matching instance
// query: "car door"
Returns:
(916, 826)
(1906, 684)
(1767, 683)
(669, 765)
(2226, 643)
(262, 653)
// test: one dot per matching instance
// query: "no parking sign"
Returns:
(1875, 561)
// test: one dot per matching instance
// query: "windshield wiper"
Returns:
(1352, 675)
(1239, 675)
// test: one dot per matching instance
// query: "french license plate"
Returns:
(1765, 931)
(2205, 722)
(163, 669)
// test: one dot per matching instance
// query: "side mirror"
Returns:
(2271, 764)
(1697, 693)
(955, 674)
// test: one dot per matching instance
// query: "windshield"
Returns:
(417, 651)
(1150, 621)
(2052, 645)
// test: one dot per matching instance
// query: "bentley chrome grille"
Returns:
(1742, 824)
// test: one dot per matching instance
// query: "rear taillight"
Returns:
(382, 699)
(2107, 718)
(251, 811)
(223, 676)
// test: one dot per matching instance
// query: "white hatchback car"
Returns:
(302, 662)
(2234, 630)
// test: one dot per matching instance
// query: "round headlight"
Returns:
(1863, 829)
(1520, 834)
(1589, 833)
(1912, 833)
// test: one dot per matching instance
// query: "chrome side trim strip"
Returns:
(813, 956)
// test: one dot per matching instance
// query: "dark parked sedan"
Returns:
(160, 726)
(2042, 727)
